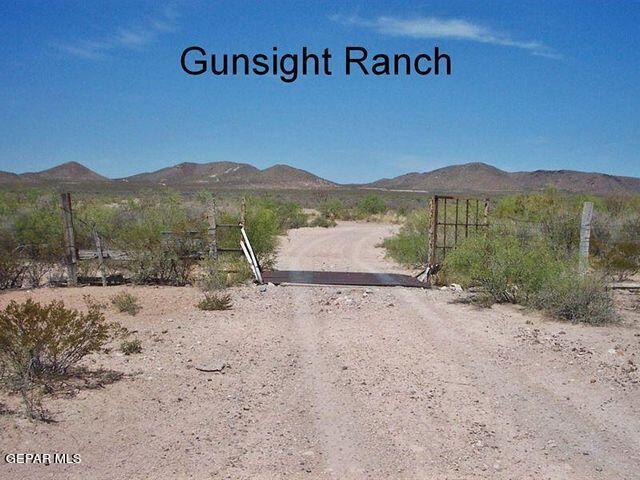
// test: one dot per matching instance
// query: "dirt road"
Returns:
(335, 382)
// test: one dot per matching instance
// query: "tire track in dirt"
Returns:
(353, 446)
(513, 390)
(333, 414)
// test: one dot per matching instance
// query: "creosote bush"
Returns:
(409, 246)
(39, 342)
(126, 302)
(577, 298)
(215, 301)
(530, 274)
(371, 205)
(508, 269)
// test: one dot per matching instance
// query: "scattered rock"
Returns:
(212, 367)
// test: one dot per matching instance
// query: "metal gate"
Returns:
(451, 220)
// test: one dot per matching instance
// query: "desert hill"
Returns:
(230, 174)
(70, 172)
(466, 178)
(480, 177)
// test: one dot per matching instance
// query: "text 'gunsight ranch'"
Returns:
(288, 67)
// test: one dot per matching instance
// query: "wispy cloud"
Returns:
(435, 27)
(133, 37)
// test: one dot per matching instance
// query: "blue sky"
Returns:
(535, 85)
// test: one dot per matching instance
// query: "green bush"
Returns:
(48, 339)
(616, 244)
(371, 205)
(126, 302)
(577, 298)
(507, 269)
(215, 301)
(410, 245)
(40, 341)
(332, 209)
(262, 229)
(289, 214)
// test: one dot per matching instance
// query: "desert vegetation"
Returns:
(160, 236)
(126, 302)
(528, 255)
(215, 301)
(40, 345)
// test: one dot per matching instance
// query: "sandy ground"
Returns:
(334, 382)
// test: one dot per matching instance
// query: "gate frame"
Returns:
(457, 224)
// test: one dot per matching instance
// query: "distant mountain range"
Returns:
(480, 177)
(467, 178)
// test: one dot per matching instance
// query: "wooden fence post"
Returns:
(585, 235)
(486, 212)
(243, 211)
(98, 242)
(69, 239)
(213, 240)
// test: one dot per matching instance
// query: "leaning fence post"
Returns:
(585, 235)
(69, 239)
(213, 241)
(98, 242)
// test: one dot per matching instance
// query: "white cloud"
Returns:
(434, 27)
(134, 37)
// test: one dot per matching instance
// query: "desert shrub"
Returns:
(616, 244)
(212, 277)
(332, 209)
(288, 214)
(215, 301)
(129, 347)
(39, 341)
(262, 229)
(409, 246)
(11, 271)
(169, 262)
(48, 339)
(551, 215)
(506, 268)
(215, 275)
(577, 298)
(39, 225)
(322, 221)
(622, 259)
(371, 205)
(126, 302)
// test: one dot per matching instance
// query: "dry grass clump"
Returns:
(129, 347)
(126, 302)
(215, 301)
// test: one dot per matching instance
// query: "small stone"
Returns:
(212, 367)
